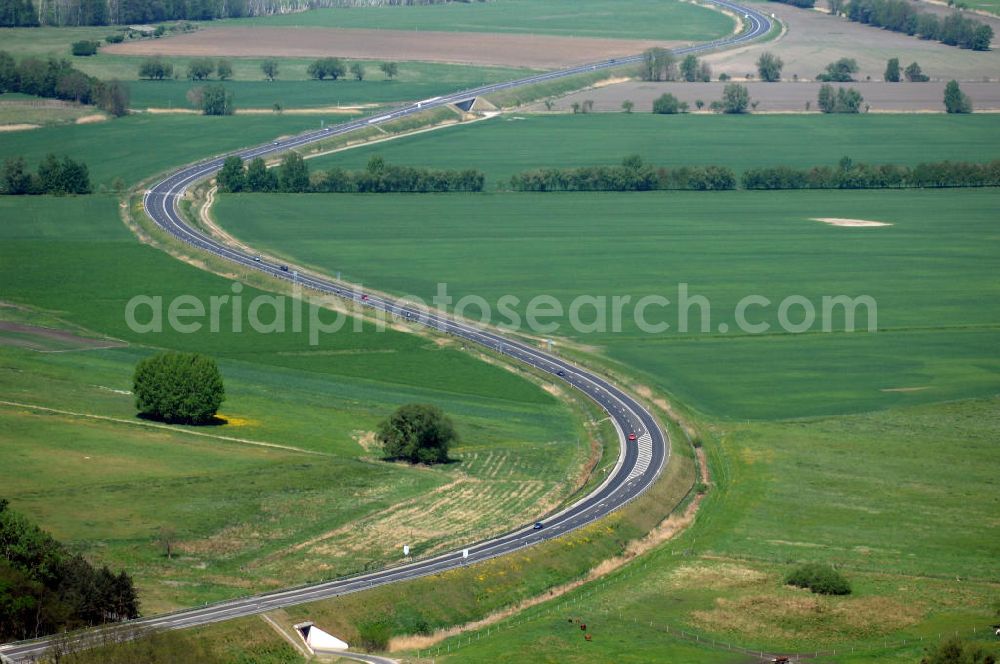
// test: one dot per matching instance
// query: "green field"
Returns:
(873, 451)
(644, 19)
(73, 263)
(139, 146)
(507, 145)
(931, 335)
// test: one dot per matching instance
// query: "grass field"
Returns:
(139, 146)
(644, 19)
(817, 489)
(511, 144)
(932, 335)
(74, 264)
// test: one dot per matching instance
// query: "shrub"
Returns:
(85, 47)
(178, 388)
(374, 635)
(819, 578)
(667, 104)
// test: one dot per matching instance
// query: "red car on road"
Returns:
(631, 437)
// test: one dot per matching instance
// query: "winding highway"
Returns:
(639, 464)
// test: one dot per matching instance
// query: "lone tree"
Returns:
(418, 433)
(358, 71)
(224, 69)
(769, 67)
(667, 104)
(735, 98)
(390, 69)
(915, 75)
(327, 67)
(892, 71)
(841, 71)
(658, 64)
(216, 100)
(199, 70)
(270, 69)
(178, 388)
(956, 101)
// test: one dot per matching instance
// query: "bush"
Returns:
(954, 651)
(374, 635)
(956, 101)
(178, 388)
(115, 39)
(667, 104)
(85, 47)
(418, 433)
(819, 578)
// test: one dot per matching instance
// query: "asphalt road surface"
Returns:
(638, 466)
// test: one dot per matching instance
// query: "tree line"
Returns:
(849, 175)
(659, 64)
(58, 79)
(23, 13)
(632, 175)
(293, 176)
(54, 176)
(900, 16)
(45, 589)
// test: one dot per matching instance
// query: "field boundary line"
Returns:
(165, 427)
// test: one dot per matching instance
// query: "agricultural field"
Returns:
(515, 142)
(645, 19)
(111, 149)
(814, 39)
(777, 98)
(71, 265)
(868, 450)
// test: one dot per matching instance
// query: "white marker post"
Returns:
(406, 549)
(465, 553)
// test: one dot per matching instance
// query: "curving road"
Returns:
(640, 461)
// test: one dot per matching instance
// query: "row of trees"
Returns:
(334, 68)
(18, 14)
(901, 16)
(848, 175)
(158, 69)
(293, 176)
(58, 79)
(735, 99)
(632, 175)
(913, 72)
(44, 589)
(54, 176)
(201, 69)
(126, 12)
(659, 64)
(841, 100)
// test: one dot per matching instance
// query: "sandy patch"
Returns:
(851, 223)
(905, 389)
(541, 51)
(368, 441)
(173, 111)
(18, 127)
(90, 119)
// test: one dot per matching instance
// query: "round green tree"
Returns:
(418, 433)
(178, 388)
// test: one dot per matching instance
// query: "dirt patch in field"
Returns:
(815, 39)
(784, 97)
(700, 575)
(905, 389)
(46, 339)
(851, 223)
(18, 127)
(539, 51)
(802, 615)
